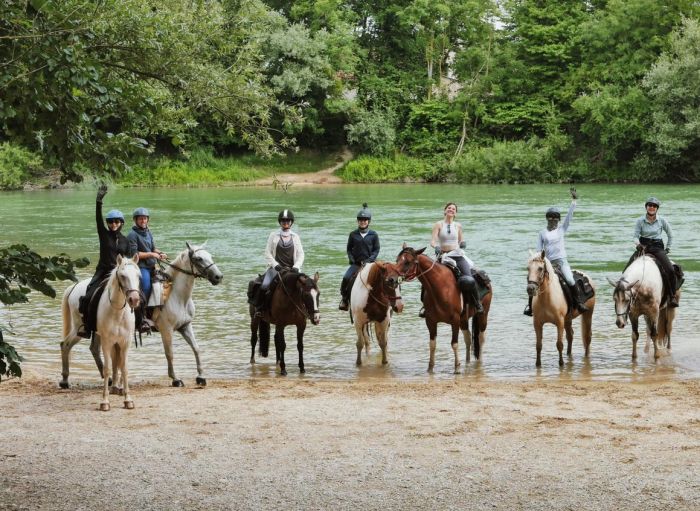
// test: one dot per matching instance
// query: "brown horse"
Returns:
(374, 295)
(442, 300)
(295, 299)
(549, 306)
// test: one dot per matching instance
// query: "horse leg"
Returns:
(466, 334)
(455, 347)
(115, 380)
(587, 330)
(104, 405)
(538, 343)
(634, 323)
(253, 338)
(166, 335)
(360, 330)
(381, 329)
(280, 346)
(653, 334)
(569, 336)
(128, 402)
(96, 351)
(432, 332)
(560, 343)
(187, 332)
(67, 345)
(301, 328)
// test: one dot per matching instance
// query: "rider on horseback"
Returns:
(363, 247)
(112, 244)
(282, 252)
(141, 242)
(448, 242)
(551, 240)
(647, 237)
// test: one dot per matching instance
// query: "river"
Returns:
(500, 223)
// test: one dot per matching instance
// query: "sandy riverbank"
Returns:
(368, 444)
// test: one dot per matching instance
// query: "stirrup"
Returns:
(343, 305)
(672, 303)
(528, 311)
(421, 312)
(582, 307)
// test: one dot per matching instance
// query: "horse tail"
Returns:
(264, 332)
(475, 336)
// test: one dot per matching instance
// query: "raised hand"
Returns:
(573, 193)
(101, 192)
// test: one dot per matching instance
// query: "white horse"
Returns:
(176, 315)
(178, 311)
(115, 324)
(549, 306)
(373, 297)
(639, 293)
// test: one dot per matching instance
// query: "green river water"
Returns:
(500, 224)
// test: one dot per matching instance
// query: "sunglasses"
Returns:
(114, 221)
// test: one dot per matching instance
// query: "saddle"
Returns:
(677, 270)
(161, 285)
(581, 281)
(480, 276)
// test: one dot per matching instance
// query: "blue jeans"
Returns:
(146, 282)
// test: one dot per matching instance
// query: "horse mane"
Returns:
(539, 258)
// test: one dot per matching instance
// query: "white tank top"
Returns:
(448, 234)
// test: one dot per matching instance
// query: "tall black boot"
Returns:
(528, 309)
(578, 296)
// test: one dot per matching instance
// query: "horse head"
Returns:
(407, 262)
(391, 281)
(623, 298)
(537, 272)
(128, 277)
(310, 296)
(202, 264)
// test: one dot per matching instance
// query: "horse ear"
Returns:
(612, 282)
(542, 254)
(419, 252)
(189, 247)
(531, 252)
(203, 244)
(631, 285)
(316, 276)
(404, 245)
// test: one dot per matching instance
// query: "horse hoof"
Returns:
(178, 383)
(129, 405)
(302, 370)
(64, 385)
(104, 407)
(201, 381)
(283, 372)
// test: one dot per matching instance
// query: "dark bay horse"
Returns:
(374, 295)
(442, 300)
(294, 300)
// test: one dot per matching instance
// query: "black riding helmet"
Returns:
(653, 201)
(365, 213)
(285, 214)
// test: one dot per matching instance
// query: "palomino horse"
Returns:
(443, 301)
(549, 306)
(295, 299)
(638, 293)
(115, 324)
(372, 299)
(176, 314)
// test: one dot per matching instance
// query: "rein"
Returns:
(370, 289)
(125, 291)
(415, 273)
(192, 273)
(303, 310)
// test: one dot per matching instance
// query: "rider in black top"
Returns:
(363, 247)
(112, 244)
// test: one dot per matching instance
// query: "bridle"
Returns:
(392, 300)
(192, 271)
(633, 296)
(126, 291)
(545, 274)
(302, 310)
(412, 275)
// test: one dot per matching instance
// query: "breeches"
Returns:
(269, 276)
(565, 269)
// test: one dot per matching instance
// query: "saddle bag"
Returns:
(584, 284)
(482, 281)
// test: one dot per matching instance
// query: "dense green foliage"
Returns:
(21, 271)
(479, 90)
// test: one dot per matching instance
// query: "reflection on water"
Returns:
(500, 222)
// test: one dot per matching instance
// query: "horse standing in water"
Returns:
(175, 315)
(115, 325)
(549, 305)
(637, 293)
(295, 298)
(372, 299)
(443, 303)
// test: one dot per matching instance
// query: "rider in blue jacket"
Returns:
(363, 247)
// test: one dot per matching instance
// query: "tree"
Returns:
(21, 271)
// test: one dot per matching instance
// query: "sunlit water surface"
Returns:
(500, 222)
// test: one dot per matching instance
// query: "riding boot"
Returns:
(343, 306)
(142, 325)
(476, 302)
(578, 295)
(421, 312)
(259, 302)
(528, 309)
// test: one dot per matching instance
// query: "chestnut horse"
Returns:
(549, 306)
(373, 297)
(295, 299)
(443, 301)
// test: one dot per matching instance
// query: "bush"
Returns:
(17, 166)
(368, 169)
(373, 132)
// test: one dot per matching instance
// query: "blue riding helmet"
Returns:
(553, 213)
(654, 201)
(115, 214)
(140, 212)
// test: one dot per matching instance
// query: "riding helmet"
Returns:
(553, 213)
(140, 212)
(365, 213)
(115, 214)
(285, 214)
(654, 201)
